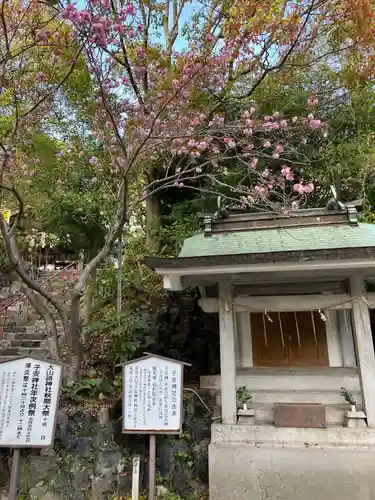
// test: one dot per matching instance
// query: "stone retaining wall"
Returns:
(93, 460)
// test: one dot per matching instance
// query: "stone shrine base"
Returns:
(266, 462)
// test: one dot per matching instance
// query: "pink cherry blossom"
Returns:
(130, 9)
(287, 173)
(315, 124)
(254, 162)
(302, 188)
(119, 28)
(298, 188)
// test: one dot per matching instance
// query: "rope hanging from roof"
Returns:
(281, 330)
(321, 314)
(297, 329)
(314, 328)
(265, 329)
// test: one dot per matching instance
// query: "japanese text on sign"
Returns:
(29, 391)
(152, 395)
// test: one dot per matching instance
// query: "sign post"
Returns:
(152, 467)
(14, 474)
(152, 401)
(135, 478)
(29, 393)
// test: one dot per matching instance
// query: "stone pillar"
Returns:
(346, 335)
(244, 337)
(333, 339)
(364, 347)
(227, 354)
(237, 340)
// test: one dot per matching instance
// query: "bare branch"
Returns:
(56, 88)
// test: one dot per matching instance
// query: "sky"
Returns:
(189, 9)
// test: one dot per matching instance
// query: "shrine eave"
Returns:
(293, 257)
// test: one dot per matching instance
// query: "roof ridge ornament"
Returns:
(352, 213)
(334, 203)
(207, 224)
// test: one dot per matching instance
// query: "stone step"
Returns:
(31, 321)
(322, 397)
(34, 337)
(6, 358)
(260, 435)
(21, 351)
(15, 329)
(264, 379)
(30, 344)
(16, 321)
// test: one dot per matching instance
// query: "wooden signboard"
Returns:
(29, 394)
(152, 401)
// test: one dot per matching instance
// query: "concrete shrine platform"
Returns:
(266, 462)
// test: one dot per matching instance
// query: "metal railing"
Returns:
(4, 307)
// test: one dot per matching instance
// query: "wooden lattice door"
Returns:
(289, 339)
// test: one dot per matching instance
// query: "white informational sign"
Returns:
(29, 391)
(152, 397)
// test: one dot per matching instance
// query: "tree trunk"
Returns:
(49, 322)
(73, 339)
(90, 290)
(120, 258)
(153, 224)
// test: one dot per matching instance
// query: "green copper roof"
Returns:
(280, 240)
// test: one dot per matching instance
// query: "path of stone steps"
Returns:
(24, 331)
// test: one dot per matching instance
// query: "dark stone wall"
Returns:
(93, 459)
(186, 333)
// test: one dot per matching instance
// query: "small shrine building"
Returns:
(295, 329)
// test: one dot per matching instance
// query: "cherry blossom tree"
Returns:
(172, 105)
